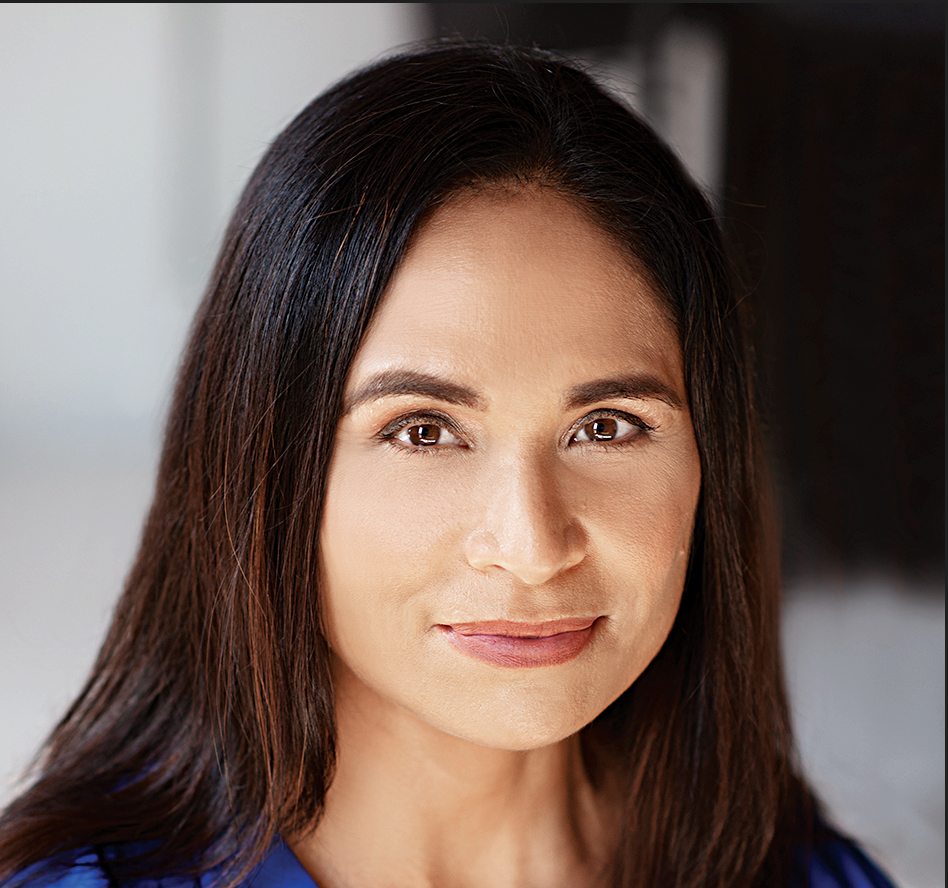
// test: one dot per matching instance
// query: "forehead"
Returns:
(519, 282)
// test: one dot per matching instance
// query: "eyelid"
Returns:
(433, 417)
(436, 417)
(593, 415)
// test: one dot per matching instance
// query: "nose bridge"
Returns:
(526, 526)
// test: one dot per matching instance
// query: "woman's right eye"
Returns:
(423, 434)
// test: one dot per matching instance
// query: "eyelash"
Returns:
(427, 417)
(389, 432)
(640, 424)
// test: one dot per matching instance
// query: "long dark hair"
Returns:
(207, 723)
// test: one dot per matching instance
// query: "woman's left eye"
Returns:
(608, 429)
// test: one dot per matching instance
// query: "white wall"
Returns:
(126, 133)
(87, 318)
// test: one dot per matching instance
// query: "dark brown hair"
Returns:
(207, 722)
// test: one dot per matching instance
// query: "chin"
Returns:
(522, 728)
(515, 738)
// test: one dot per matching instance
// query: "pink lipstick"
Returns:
(521, 645)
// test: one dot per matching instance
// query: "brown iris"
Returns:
(424, 435)
(604, 429)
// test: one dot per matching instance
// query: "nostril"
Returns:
(533, 559)
(525, 527)
(480, 548)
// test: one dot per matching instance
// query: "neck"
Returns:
(413, 806)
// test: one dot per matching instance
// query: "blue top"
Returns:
(838, 864)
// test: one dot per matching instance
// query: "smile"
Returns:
(522, 645)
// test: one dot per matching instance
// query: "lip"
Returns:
(522, 645)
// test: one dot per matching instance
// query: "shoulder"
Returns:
(94, 868)
(840, 863)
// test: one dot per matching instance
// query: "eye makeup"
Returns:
(430, 419)
(610, 433)
(604, 428)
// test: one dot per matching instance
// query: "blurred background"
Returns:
(127, 131)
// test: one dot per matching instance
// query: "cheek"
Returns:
(386, 537)
(378, 521)
(663, 512)
(641, 517)
(642, 521)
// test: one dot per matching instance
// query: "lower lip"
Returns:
(516, 652)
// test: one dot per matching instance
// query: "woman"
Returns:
(459, 568)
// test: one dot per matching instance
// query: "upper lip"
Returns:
(513, 629)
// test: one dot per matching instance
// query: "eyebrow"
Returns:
(391, 383)
(635, 386)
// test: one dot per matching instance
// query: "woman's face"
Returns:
(513, 489)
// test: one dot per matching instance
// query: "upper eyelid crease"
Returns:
(643, 427)
(434, 417)
(439, 418)
(420, 417)
(389, 434)
(618, 414)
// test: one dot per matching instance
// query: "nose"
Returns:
(525, 527)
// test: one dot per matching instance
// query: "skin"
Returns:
(503, 506)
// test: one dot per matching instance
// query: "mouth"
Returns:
(522, 645)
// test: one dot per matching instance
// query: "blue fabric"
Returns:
(837, 864)
(82, 871)
(89, 869)
(840, 863)
(281, 870)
